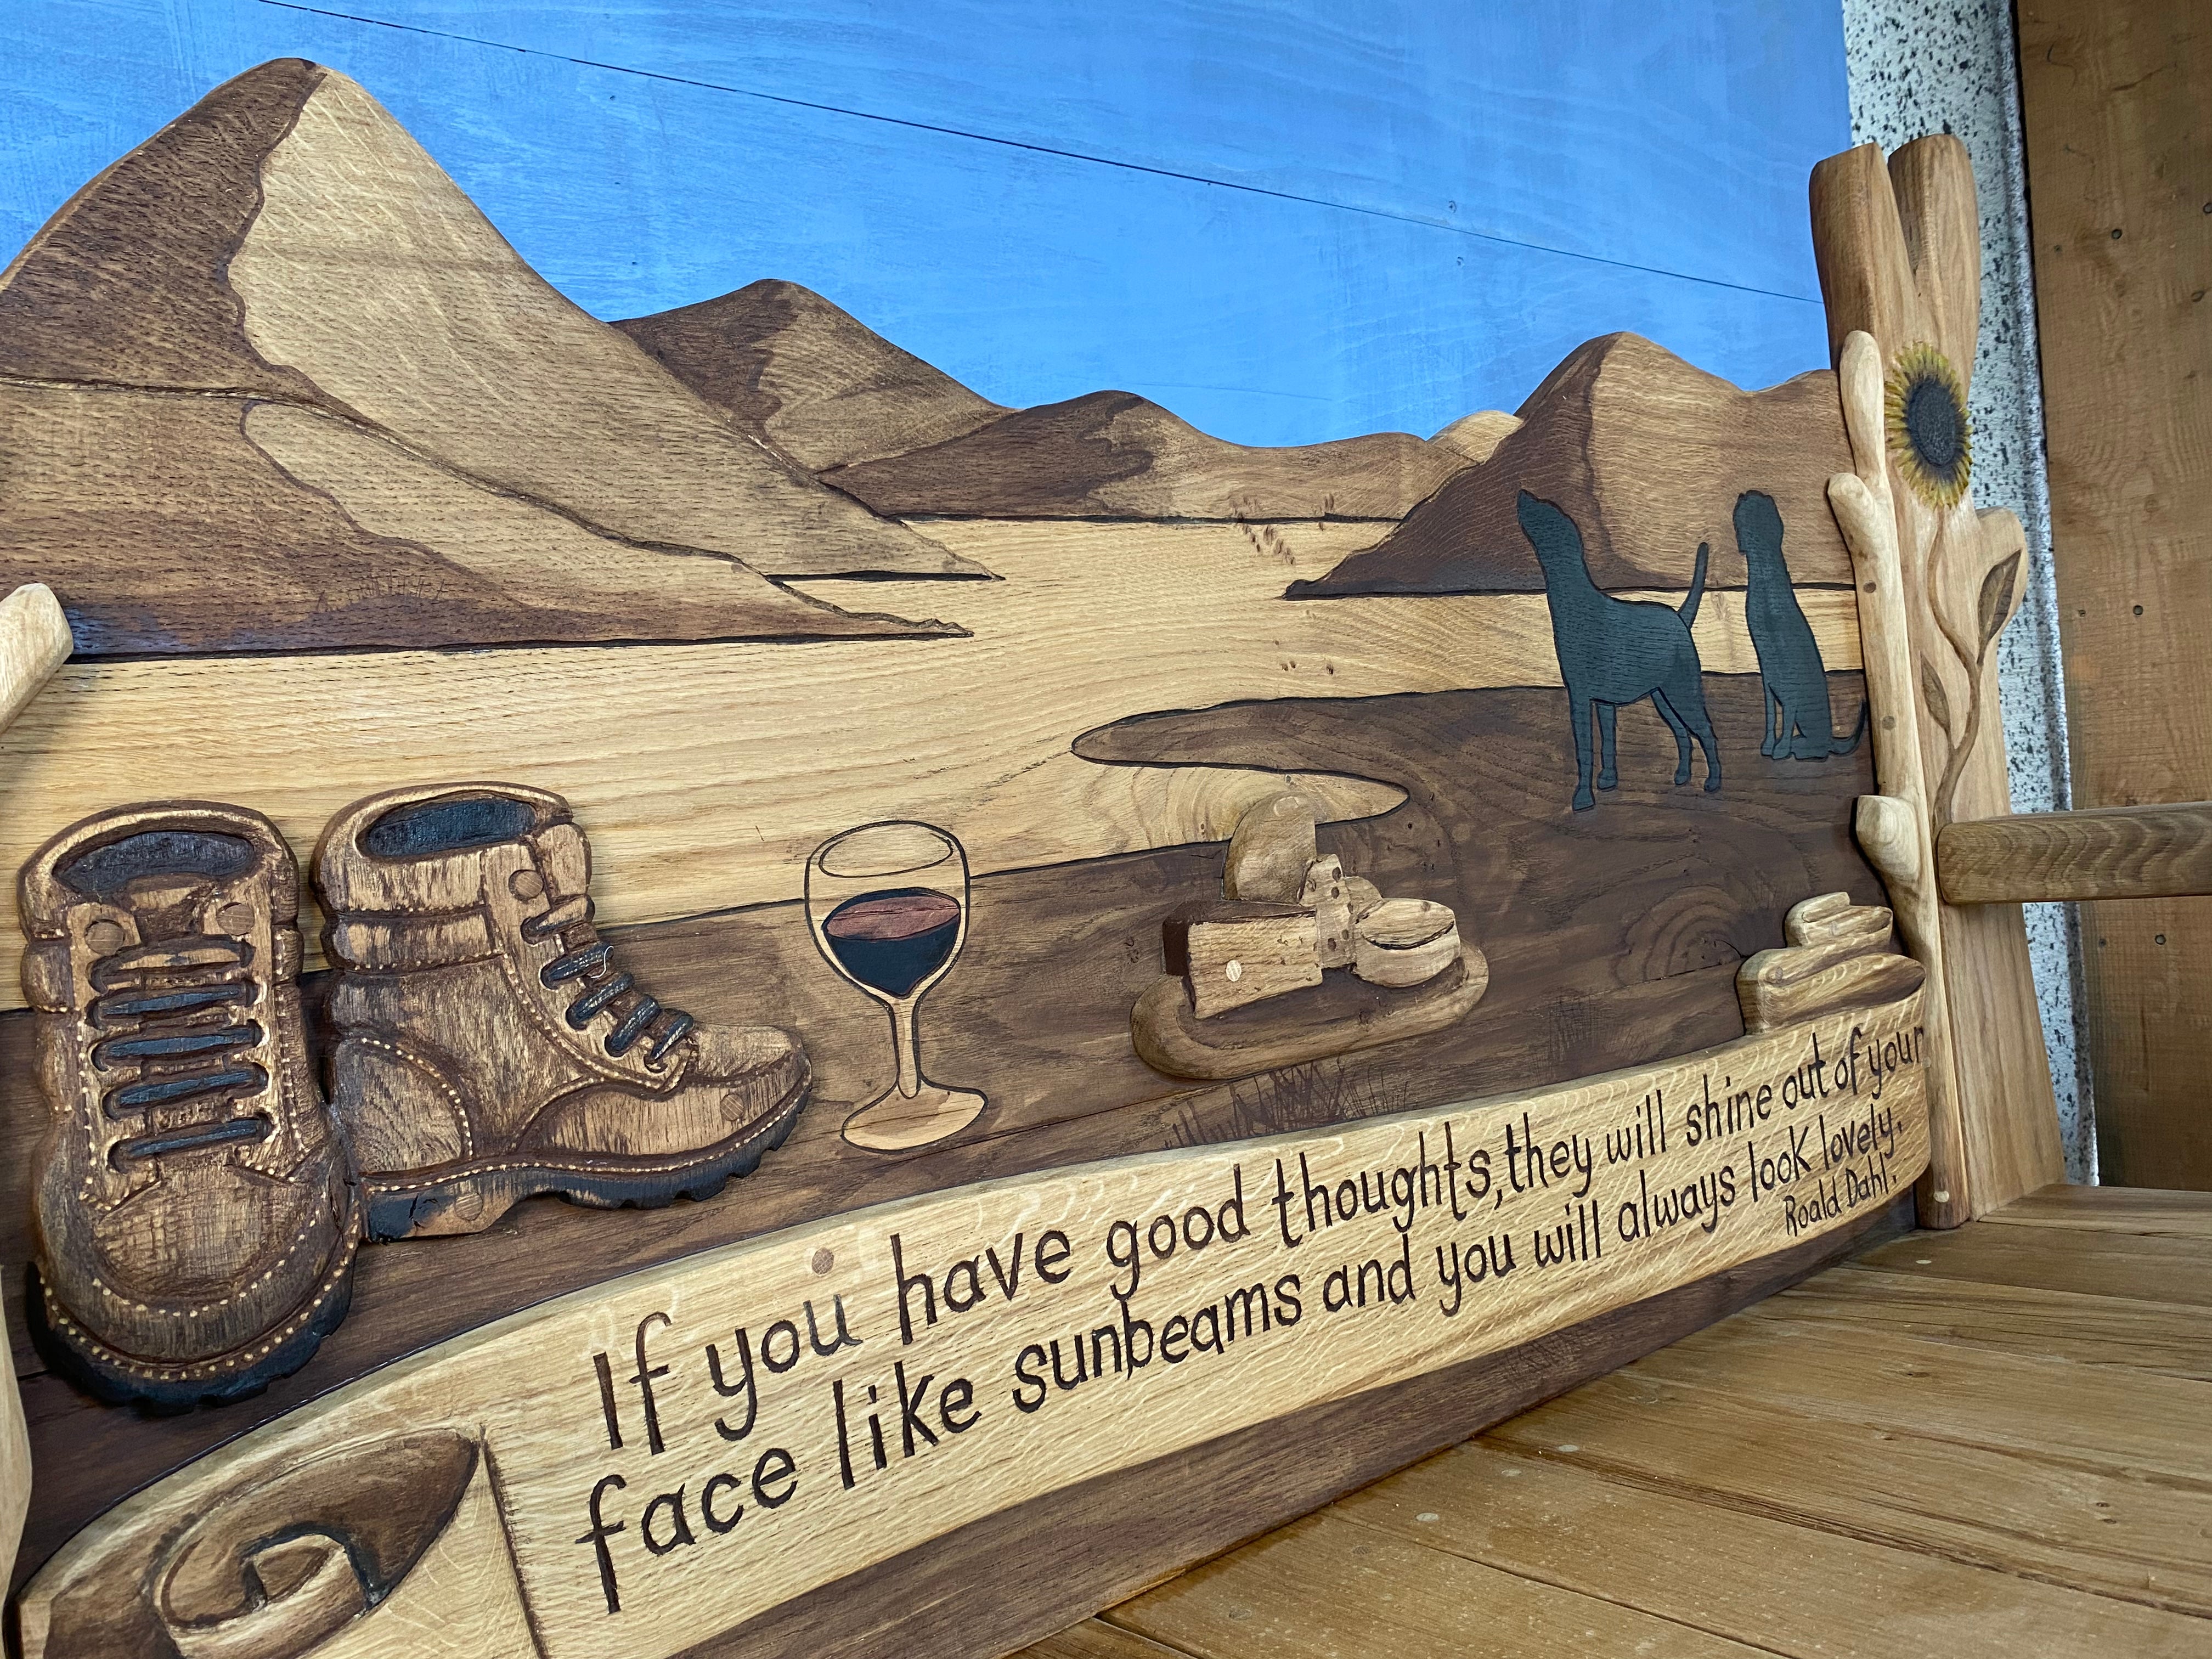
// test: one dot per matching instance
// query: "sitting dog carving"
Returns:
(1794, 680)
(1613, 652)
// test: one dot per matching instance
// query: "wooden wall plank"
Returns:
(2120, 189)
(2143, 1426)
(2090, 1328)
(1676, 138)
(2149, 1267)
(1787, 1589)
(1032, 275)
(2111, 1209)
(1094, 1638)
(1286, 1595)
(1700, 1429)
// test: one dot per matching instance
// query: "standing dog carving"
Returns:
(1613, 652)
(1794, 707)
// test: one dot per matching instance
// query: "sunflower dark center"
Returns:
(1931, 421)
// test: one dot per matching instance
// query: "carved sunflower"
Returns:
(1929, 435)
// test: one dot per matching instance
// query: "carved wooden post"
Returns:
(34, 642)
(1900, 259)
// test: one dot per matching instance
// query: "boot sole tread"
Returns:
(424, 1208)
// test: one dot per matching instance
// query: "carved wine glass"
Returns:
(888, 903)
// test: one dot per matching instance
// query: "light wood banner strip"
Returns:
(2104, 852)
(645, 1465)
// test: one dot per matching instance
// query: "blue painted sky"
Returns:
(1286, 221)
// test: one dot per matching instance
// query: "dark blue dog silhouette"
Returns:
(1613, 652)
(1794, 707)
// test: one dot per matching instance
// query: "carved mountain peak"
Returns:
(286, 240)
(808, 376)
(176, 209)
(1117, 455)
(1648, 454)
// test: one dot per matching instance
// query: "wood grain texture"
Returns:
(1838, 952)
(1898, 248)
(713, 794)
(1094, 1638)
(333, 408)
(1044, 1114)
(34, 642)
(1282, 1594)
(816, 383)
(1894, 828)
(2093, 1326)
(2112, 104)
(1668, 1555)
(1341, 1015)
(523, 1388)
(2111, 1209)
(1784, 986)
(1715, 1503)
(1130, 1532)
(1590, 441)
(2103, 853)
(1115, 455)
(2149, 1266)
(1748, 1435)
(1478, 435)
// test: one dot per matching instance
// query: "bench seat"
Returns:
(1995, 1441)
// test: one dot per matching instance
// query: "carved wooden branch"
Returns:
(2111, 852)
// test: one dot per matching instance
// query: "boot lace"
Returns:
(588, 963)
(173, 1005)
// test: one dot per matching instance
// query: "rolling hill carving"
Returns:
(1115, 455)
(277, 354)
(1648, 455)
(816, 382)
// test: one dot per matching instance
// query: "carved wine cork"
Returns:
(1403, 942)
(1230, 954)
(1362, 894)
(1324, 882)
(1273, 845)
(1333, 936)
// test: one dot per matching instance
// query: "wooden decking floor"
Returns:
(1993, 1442)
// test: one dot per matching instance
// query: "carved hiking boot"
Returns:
(488, 1046)
(196, 1225)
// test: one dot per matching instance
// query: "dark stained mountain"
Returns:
(1648, 455)
(278, 353)
(817, 384)
(1115, 455)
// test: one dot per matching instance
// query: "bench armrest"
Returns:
(2111, 851)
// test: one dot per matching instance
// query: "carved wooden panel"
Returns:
(1046, 874)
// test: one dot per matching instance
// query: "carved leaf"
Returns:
(1997, 596)
(1931, 692)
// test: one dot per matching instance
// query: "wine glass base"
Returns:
(893, 1122)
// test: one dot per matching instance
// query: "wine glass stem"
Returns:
(906, 1047)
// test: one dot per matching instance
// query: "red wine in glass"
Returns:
(888, 905)
(893, 940)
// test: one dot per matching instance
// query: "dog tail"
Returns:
(1844, 747)
(1697, 587)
